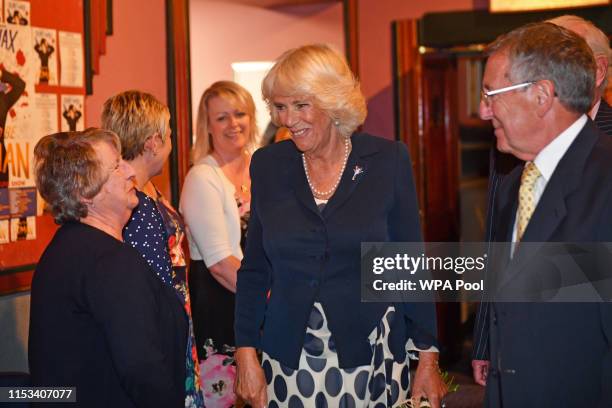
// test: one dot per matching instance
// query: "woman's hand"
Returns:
(427, 381)
(250, 382)
(480, 370)
(226, 272)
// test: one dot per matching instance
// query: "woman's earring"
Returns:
(336, 123)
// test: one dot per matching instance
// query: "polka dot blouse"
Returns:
(146, 233)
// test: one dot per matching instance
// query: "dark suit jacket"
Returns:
(101, 321)
(305, 255)
(556, 354)
(501, 165)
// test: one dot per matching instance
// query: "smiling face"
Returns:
(311, 128)
(229, 126)
(118, 194)
(512, 114)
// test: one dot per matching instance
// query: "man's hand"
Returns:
(427, 381)
(480, 370)
(250, 382)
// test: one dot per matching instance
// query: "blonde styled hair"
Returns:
(236, 95)
(317, 71)
(135, 116)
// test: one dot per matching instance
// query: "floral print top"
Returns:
(156, 230)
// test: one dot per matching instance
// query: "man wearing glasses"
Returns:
(502, 164)
(539, 84)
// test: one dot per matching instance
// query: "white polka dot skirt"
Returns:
(319, 383)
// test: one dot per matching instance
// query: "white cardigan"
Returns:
(210, 211)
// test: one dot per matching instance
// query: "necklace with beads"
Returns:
(319, 193)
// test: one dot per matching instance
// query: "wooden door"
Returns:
(425, 103)
(426, 121)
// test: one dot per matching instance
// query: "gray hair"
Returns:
(68, 170)
(545, 51)
(597, 39)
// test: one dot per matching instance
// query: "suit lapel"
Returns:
(508, 199)
(356, 170)
(505, 211)
(552, 207)
(566, 179)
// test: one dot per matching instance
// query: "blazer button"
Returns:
(510, 371)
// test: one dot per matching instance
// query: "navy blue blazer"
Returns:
(555, 354)
(305, 255)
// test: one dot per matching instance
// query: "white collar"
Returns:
(551, 154)
(595, 109)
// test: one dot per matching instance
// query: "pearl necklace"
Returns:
(333, 188)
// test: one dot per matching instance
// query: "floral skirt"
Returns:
(319, 382)
(218, 372)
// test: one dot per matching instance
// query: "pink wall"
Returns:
(135, 59)
(222, 33)
(135, 55)
(375, 69)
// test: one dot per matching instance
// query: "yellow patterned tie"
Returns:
(527, 203)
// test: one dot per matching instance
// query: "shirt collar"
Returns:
(595, 109)
(551, 154)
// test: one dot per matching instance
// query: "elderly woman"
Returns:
(215, 202)
(155, 229)
(315, 199)
(99, 319)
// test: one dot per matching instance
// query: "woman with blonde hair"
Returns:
(155, 229)
(215, 202)
(315, 199)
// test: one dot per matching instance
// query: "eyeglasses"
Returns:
(487, 96)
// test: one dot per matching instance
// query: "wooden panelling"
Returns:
(279, 3)
(179, 91)
(426, 121)
(351, 33)
(459, 28)
(407, 85)
(440, 147)
(425, 102)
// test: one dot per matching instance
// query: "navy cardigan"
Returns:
(305, 255)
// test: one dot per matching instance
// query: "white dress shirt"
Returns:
(547, 160)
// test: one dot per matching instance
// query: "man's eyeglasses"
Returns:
(487, 96)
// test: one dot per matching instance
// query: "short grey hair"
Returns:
(68, 170)
(597, 39)
(546, 51)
